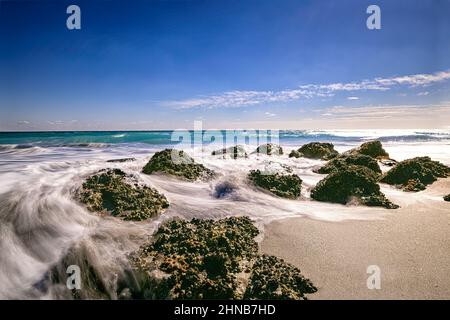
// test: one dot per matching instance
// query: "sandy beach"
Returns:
(411, 245)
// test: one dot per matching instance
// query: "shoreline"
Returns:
(410, 245)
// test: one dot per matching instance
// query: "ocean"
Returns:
(41, 220)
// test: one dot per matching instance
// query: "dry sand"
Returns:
(411, 245)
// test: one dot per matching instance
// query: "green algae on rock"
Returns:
(315, 150)
(207, 259)
(372, 149)
(177, 163)
(345, 160)
(272, 278)
(269, 149)
(234, 152)
(416, 173)
(286, 186)
(113, 191)
(352, 182)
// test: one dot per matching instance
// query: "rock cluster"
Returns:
(286, 186)
(120, 195)
(351, 183)
(373, 149)
(234, 152)
(315, 150)
(206, 259)
(177, 163)
(416, 173)
(345, 160)
(269, 149)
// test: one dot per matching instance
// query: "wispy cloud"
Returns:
(239, 98)
(353, 98)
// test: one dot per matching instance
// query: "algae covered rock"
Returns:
(315, 150)
(207, 259)
(272, 278)
(286, 186)
(416, 173)
(121, 160)
(233, 152)
(447, 198)
(351, 183)
(177, 163)
(344, 161)
(269, 149)
(120, 195)
(373, 149)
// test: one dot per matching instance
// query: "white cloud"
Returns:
(424, 93)
(353, 98)
(239, 98)
(269, 114)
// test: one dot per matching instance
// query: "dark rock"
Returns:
(206, 259)
(346, 160)
(224, 189)
(315, 150)
(121, 160)
(447, 197)
(114, 192)
(272, 278)
(182, 165)
(286, 186)
(388, 162)
(416, 173)
(349, 183)
(373, 149)
(233, 152)
(269, 149)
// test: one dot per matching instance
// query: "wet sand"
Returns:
(411, 246)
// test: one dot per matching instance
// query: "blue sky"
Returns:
(232, 64)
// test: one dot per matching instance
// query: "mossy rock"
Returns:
(207, 259)
(315, 150)
(286, 186)
(272, 278)
(447, 198)
(416, 173)
(344, 161)
(269, 149)
(182, 165)
(372, 149)
(352, 182)
(120, 195)
(234, 152)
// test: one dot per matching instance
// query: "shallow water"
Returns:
(40, 219)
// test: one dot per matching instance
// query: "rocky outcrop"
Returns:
(177, 163)
(447, 197)
(416, 173)
(286, 186)
(372, 149)
(233, 152)
(315, 150)
(120, 195)
(345, 160)
(269, 149)
(349, 184)
(206, 259)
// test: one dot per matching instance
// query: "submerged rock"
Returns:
(182, 165)
(343, 161)
(286, 186)
(121, 160)
(416, 173)
(351, 183)
(315, 150)
(120, 195)
(373, 149)
(269, 149)
(206, 259)
(447, 197)
(233, 152)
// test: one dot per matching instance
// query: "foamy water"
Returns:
(40, 219)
